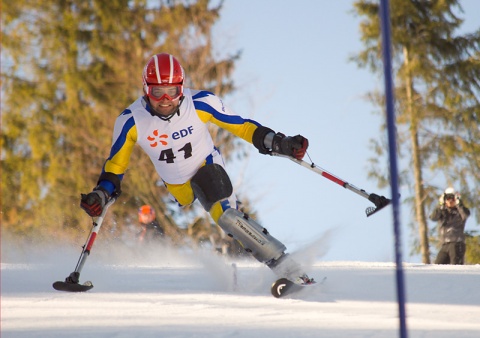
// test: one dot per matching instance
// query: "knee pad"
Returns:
(211, 184)
(254, 238)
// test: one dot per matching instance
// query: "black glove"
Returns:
(94, 202)
(294, 146)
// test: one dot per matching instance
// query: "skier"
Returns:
(151, 229)
(452, 216)
(169, 124)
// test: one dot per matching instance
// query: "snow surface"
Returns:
(165, 292)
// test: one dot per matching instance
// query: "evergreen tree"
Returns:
(472, 254)
(69, 68)
(437, 100)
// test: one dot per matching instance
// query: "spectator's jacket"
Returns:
(451, 222)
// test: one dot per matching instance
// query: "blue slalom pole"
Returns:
(392, 142)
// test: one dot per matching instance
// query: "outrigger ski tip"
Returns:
(379, 201)
(72, 287)
(71, 284)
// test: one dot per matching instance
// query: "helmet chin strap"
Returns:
(176, 111)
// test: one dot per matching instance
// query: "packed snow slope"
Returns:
(165, 292)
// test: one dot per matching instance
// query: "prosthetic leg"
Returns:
(256, 240)
(211, 184)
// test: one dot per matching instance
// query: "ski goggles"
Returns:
(449, 196)
(170, 92)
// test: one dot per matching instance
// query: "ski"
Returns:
(283, 287)
(72, 287)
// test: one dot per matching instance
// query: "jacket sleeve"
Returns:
(124, 139)
(211, 109)
(437, 214)
(463, 211)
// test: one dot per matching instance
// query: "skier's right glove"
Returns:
(94, 202)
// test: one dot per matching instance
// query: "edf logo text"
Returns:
(182, 133)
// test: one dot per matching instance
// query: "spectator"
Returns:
(451, 215)
(151, 229)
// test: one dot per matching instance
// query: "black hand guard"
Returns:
(259, 138)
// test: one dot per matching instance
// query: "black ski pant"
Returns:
(451, 253)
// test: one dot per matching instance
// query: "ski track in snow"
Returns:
(161, 292)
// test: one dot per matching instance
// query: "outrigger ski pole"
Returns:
(71, 283)
(379, 201)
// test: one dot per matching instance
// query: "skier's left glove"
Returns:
(268, 142)
(294, 146)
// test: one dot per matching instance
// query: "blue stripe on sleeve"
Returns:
(126, 112)
(122, 137)
(230, 119)
(201, 94)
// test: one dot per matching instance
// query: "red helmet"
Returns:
(163, 70)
